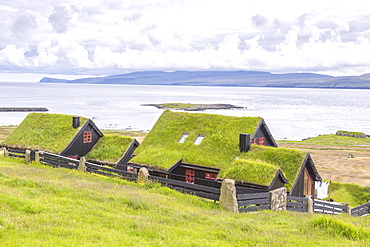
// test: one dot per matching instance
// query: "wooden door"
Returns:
(308, 184)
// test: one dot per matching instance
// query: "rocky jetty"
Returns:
(23, 109)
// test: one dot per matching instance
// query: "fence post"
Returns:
(348, 209)
(6, 153)
(310, 204)
(278, 199)
(228, 196)
(37, 156)
(27, 156)
(82, 164)
(143, 175)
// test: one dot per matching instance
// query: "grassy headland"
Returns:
(44, 206)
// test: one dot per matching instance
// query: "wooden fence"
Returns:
(362, 210)
(58, 160)
(253, 202)
(108, 171)
(19, 153)
(329, 207)
(196, 189)
(247, 202)
(297, 204)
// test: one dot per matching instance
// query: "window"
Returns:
(212, 176)
(199, 139)
(189, 176)
(262, 141)
(254, 141)
(87, 135)
(183, 137)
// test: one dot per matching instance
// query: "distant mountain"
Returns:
(226, 78)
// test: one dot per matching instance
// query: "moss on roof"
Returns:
(219, 147)
(251, 171)
(110, 148)
(43, 131)
(289, 161)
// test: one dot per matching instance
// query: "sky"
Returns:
(74, 39)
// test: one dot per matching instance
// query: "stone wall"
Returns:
(278, 199)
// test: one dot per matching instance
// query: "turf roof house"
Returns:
(198, 148)
(113, 149)
(62, 134)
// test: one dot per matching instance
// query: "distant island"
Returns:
(226, 78)
(193, 107)
(23, 109)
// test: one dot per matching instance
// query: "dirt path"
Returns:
(334, 164)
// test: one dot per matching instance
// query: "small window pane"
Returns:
(183, 137)
(199, 140)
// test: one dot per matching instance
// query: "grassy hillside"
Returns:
(333, 140)
(42, 131)
(44, 206)
(349, 193)
(110, 148)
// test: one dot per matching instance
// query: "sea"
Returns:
(290, 113)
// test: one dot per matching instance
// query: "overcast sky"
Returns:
(103, 37)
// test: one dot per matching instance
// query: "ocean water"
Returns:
(290, 113)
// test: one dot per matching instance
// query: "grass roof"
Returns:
(260, 164)
(219, 149)
(43, 131)
(110, 148)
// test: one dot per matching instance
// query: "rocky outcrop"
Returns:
(197, 107)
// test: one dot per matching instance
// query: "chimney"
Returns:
(244, 142)
(76, 122)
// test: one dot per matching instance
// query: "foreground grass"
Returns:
(43, 206)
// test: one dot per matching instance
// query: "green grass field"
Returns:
(44, 206)
(334, 140)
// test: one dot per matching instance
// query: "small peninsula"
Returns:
(194, 107)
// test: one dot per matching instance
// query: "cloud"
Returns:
(259, 20)
(23, 26)
(13, 55)
(60, 19)
(112, 36)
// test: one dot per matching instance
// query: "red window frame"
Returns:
(189, 176)
(262, 141)
(87, 136)
(209, 175)
(255, 141)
